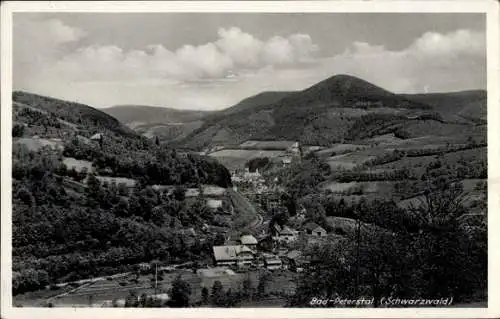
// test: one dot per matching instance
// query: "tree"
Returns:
(217, 293)
(181, 290)
(143, 300)
(179, 193)
(247, 288)
(17, 130)
(219, 239)
(329, 273)
(204, 295)
(131, 300)
(264, 279)
(230, 298)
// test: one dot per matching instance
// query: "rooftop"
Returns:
(248, 240)
(230, 252)
(97, 136)
(288, 231)
(293, 254)
(311, 226)
(214, 203)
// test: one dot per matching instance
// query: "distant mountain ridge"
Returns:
(174, 124)
(470, 104)
(135, 115)
(330, 111)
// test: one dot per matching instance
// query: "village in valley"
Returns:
(257, 178)
(258, 251)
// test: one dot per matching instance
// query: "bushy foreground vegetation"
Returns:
(425, 251)
(62, 235)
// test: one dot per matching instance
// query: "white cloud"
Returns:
(278, 50)
(204, 60)
(37, 43)
(459, 42)
(243, 48)
(234, 66)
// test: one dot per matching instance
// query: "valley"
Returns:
(118, 212)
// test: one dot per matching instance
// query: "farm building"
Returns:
(272, 262)
(287, 160)
(295, 260)
(314, 229)
(96, 137)
(214, 204)
(233, 255)
(249, 241)
(285, 234)
(144, 267)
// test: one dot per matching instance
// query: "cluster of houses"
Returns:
(245, 178)
(271, 251)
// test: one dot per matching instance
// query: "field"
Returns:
(418, 164)
(245, 154)
(348, 225)
(340, 149)
(118, 180)
(349, 161)
(105, 290)
(34, 144)
(470, 199)
(338, 187)
(245, 212)
(380, 188)
(211, 190)
(79, 165)
(235, 158)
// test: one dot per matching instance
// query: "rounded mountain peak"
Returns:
(348, 85)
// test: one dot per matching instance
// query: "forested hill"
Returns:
(84, 116)
(86, 206)
(326, 113)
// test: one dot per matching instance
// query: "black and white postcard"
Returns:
(272, 159)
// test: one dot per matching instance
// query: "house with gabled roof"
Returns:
(249, 240)
(285, 234)
(311, 228)
(233, 255)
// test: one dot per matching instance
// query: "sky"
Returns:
(210, 61)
